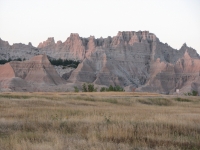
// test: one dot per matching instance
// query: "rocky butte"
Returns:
(134, 60)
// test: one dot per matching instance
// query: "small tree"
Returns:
(118, 88)
(110, 88)
(194, 93)
(84, 88)
(90, 87)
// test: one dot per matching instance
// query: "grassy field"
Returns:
(98, 121)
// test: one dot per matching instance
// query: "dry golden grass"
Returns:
(107, 121)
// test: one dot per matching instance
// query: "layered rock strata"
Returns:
(139, 60)
(129, 59)
(28, 75)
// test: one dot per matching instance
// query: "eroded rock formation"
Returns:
(135, 60)
(29, 75)
(16, 51)
(73, 48)
(139, 60)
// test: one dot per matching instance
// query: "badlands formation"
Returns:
(134, 60)
(36, 74)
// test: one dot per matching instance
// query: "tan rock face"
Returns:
(31, 73)
(48, 43)
(6, 71)
(73, 48)
(167, 77)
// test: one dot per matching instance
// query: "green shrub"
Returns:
(193, 93)
(116, 88)
(84, 88)
(110, 88)
(76, 89)
(89, 88)
(103, 89)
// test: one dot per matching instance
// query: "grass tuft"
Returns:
(156, 101)
(182, 99)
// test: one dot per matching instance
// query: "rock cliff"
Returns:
(139, 60)
(72, 48)
(129, 59)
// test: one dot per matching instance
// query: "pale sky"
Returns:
(172, 21)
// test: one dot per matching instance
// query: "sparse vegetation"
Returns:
(116, 88)
(84, 88)
(193, 93)
(76, 89)
(98, 120)
(56, 62)
(65, 62)
(182, 99)
(3, 61)
(156, 101)
(89, 87)
(103, 89)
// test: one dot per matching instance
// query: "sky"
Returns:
(173, 21)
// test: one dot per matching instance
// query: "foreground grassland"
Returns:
(104, 121)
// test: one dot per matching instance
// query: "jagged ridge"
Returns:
(130, 59)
